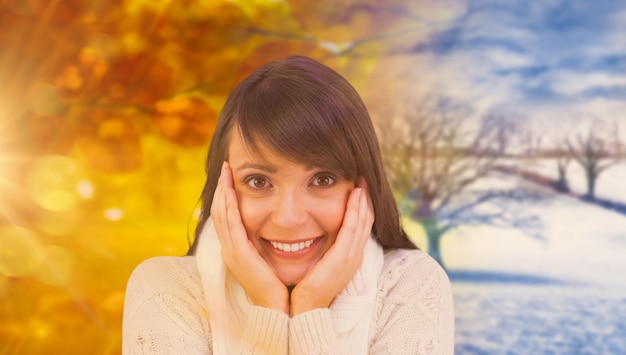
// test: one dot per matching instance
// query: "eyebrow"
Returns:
(265, 167)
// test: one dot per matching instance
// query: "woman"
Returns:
(299, 248)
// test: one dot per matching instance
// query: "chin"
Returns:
(291, 281)
(291, 278)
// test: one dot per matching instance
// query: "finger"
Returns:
(365, 217)
(219, 211)
(350, 219)
(217, 204)
(365, 220)
(228, 174)
(238, 233)
(362, 183)
(233, 217)
(217, 192)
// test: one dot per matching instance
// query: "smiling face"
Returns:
(292, 212)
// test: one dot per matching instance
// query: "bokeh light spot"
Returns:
(40, 329)
(114, 214)
(85, 189)
(52, 181)
(70, 78)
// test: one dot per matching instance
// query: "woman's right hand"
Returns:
(239, 254)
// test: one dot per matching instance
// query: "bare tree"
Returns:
(434, 153)
(530, 141)
(562, 155)
(596, 150)
(563, 159)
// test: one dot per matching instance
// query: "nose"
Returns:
(289, 211)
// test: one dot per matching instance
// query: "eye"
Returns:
(257, 182)
(323, 180)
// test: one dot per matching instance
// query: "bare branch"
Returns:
(595, 151)
(435, 151)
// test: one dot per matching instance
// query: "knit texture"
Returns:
(166, 313)
(229, 307)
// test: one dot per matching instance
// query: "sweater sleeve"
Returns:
(415, 311)
(165, 313)
(312, 332)
(265, 332)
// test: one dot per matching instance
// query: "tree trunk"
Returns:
(591, 184)
(433, 234)
(562, 184)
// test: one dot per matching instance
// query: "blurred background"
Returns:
(501, 123)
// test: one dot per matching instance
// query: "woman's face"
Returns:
(291, 212)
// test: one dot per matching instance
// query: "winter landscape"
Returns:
(563, 293)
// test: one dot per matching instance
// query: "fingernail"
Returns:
(361, 181)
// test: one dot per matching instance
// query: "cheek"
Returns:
(252, 213)
(332, 213)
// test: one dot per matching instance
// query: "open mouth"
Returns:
(293, 247)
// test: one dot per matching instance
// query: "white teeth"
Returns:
(292, 247)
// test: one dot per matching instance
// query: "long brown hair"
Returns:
(309, 114)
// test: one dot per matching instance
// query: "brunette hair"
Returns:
(307, 113)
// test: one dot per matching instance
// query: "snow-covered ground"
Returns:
(538, 319)
(562, 294)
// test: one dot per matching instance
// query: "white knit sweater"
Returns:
(165, 313)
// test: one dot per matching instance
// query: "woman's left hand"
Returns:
(337, 267)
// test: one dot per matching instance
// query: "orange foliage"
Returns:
(185, 120)
(276, 50)
(109, 142)
(128, 92)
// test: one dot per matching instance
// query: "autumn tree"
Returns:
(436, 153)
(100, 80)
(106, 111)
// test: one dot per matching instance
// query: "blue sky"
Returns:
(556, 61)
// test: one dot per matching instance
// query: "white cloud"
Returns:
(464, 75)
(568, 82)
(496, 25)
(570, 57)
(500, 58)
(618, 35)
(557, 121)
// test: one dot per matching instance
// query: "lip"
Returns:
(293, 254)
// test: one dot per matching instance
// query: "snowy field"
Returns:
(526, 318)
(564, 293)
